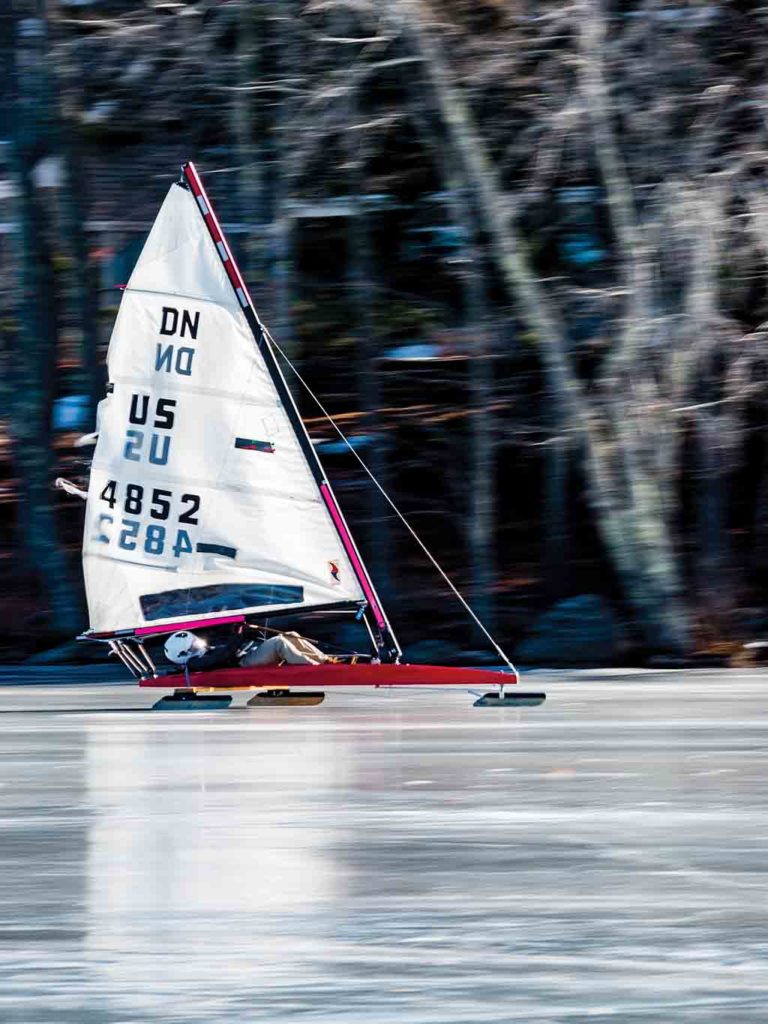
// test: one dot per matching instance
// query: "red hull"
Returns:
(322, 676)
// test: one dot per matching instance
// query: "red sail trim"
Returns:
(217, 620)
(190, 624)
(213, 620)
(227, 259)
(351, 549)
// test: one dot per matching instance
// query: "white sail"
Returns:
(201, 499)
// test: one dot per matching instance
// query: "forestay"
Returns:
(201, 499)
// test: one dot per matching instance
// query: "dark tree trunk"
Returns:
(65, 76)
(711, 565)
(27, 106)
(378, 542)
(481, 506)
(482, 483)
(281, 248)
(759, 552)
(555, 517)
(244, 129)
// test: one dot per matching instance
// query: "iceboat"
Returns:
(208, 509)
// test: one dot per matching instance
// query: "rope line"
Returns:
(391, 503)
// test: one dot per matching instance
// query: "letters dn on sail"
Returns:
(168, 357)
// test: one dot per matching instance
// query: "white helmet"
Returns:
(183, 646)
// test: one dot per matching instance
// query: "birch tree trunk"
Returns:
(630, 510)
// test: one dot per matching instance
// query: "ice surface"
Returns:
(387, 856)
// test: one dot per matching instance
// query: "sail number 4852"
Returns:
(157, 502)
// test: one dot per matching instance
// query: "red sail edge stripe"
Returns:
(354, 558)
(230, 266)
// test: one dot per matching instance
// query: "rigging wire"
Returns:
(390, 502)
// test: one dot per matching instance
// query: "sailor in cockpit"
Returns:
(284, 649)
(281, 649)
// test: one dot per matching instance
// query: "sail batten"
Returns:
(205, 498)
(178, 295)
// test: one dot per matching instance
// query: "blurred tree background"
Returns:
(519, 249)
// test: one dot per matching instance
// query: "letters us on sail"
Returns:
(201, 500)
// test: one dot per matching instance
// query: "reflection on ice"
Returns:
(187, 824)
(203, 845)
(388, 858)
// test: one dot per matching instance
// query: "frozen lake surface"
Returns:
(387, 856)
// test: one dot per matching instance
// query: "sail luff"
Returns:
(390, 646)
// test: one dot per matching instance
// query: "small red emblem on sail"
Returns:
(250, 445)
(335, 572)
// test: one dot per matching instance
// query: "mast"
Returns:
(374, 615)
